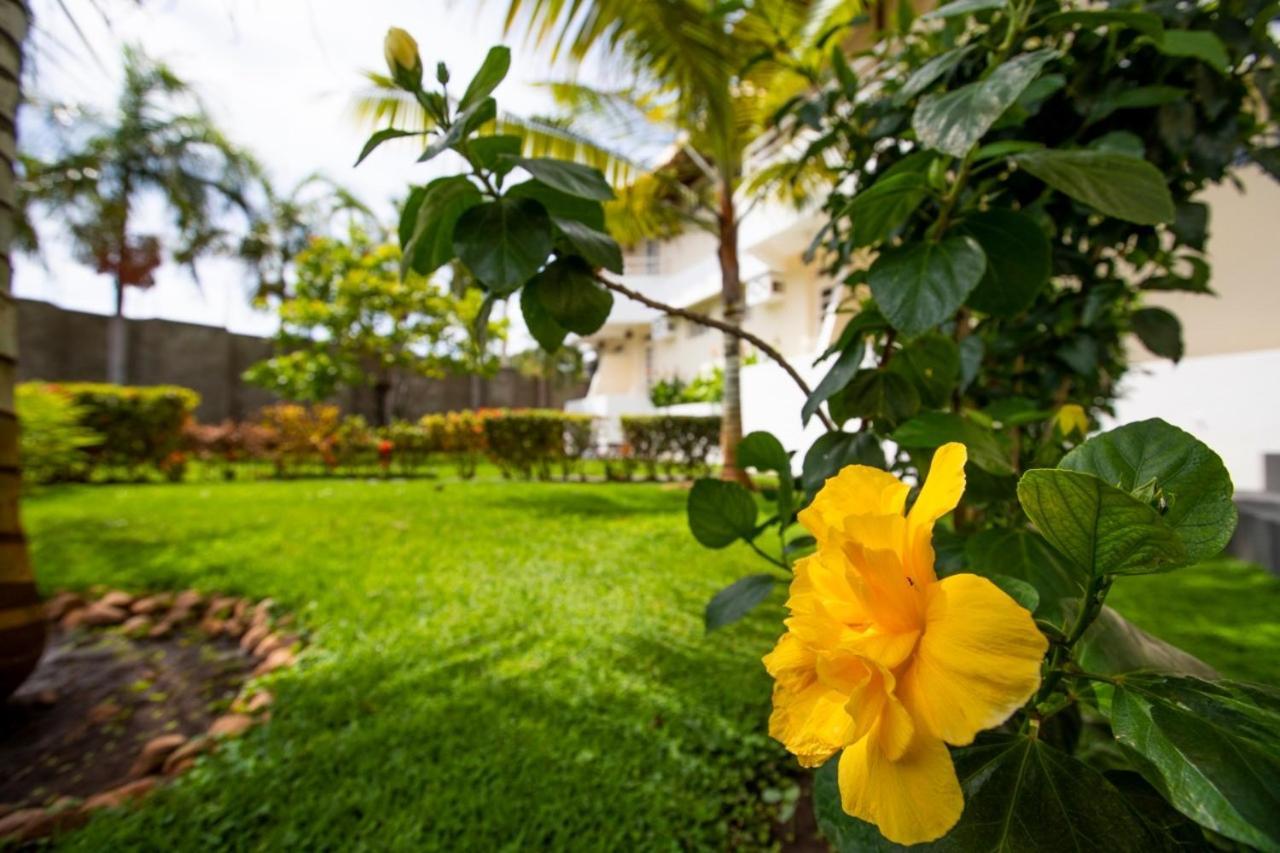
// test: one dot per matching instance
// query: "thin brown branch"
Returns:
(728, 328)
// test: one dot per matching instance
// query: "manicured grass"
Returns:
(498, 665)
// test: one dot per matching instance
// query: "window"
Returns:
(824, 302)
(645, 259)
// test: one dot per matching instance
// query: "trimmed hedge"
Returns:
(528, 441)
(139, 426)
(52, 440)
(683, 442)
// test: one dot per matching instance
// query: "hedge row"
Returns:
(683, 442)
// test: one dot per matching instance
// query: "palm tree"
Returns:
(158, 143)
(22, 630)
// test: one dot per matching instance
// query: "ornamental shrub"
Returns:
(459, 435)
(53, 439)
(579, 435)
(526, 442)
(139, 426)
(305, 435)
(677, 442)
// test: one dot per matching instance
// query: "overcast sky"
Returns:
(279, 77)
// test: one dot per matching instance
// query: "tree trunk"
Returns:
(731, 296)
(22, 628)
(118, 342)
(382, 401)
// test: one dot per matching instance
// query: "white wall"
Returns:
(1231, 402)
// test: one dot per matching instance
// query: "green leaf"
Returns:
(542, 326)
(876, 395)
(763, 451)
(495, 152)
(932, 363)
(737, 600)
(574, 179)
(504, 242)
(867, 320)
(409, 215)
(568, 290)
(934, 429)
(972, 350)
(1211, 748)
(1125, 187)
(954, 122)
(1196, 44)
(924, 76)
(882, 208)
(1101, 529)
(596, 247)
(382, 136)
(1135, 97)
(1159, 331)
(1113, 646)
(1019, 590)
(836, 379)
(720, 513)
(963, 7)
(835, 450)
(492, 72)
(1019, 260)
(440, 204)
(919, 285)
(1147, 23)
(561, 205)
(1026, 556)
(1020, 793)
(1004, 148)
(1189, 477)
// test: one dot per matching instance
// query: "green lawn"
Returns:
(497, 666)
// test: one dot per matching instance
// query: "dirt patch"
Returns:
(78, 725)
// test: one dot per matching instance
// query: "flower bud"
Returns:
(402, 58)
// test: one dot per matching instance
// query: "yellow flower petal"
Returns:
(912, 800)
(809, 718)
(938, 496)
(873, 706)
(977, 661)
(856, 490)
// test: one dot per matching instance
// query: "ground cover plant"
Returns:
(577, 605)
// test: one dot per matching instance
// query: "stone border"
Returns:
(260, 635)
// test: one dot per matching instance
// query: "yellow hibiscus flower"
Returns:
(888, 663)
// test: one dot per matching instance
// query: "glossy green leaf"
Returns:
(842, 831)
(835, 450)
(1113, 646)
(1212, 748)
(763, 451)
(1099, 528)
(925, 76)
(492, 72)
(879, 210)
(737, 600)
(932, 363)
(542, 326)
(596, 247)
(1019, 590)
(382, 136)
(439, 206)
(1160, 332)
(504, 242)
(954, 122)
(876, 395)
(1115, 184)
(1026, 556)
(934, 429)
(561, 205)
(571, 295)
(1021, 794)
(846, 365)
(574, 179)
(963, 7)
(495, 152)
(720, 513)
(1019, 260)
(1196, 44)
(1147, 23)
(920, 285)
(1189, 477)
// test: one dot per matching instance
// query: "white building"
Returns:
(1226, 390)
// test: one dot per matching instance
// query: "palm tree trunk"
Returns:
(22, 628)
(118, 341)
(731, 296)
